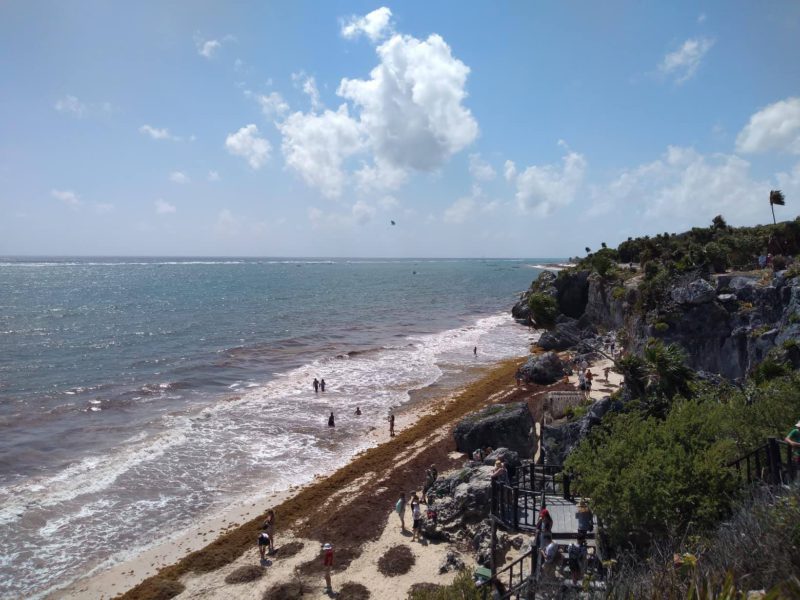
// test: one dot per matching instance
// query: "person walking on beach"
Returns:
(263, 542)
(475, 351)
(416, 515)
(269, 527)
(588, 377)
(316, 385)
(400, 508)
(331, 421)
(327, 565)
(322, 385)
(391, 424)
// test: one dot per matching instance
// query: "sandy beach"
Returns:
(109, 581)
(351, 508)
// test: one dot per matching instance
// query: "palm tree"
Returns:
(775, 197)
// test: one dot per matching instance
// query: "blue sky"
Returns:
(482, 129)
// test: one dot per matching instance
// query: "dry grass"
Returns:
(353, 591)
(287, 591)
(288, 550)
(361, 520)
(342, 557)
(160, 588)
(423, 588)
(245, 574)
(397, 560)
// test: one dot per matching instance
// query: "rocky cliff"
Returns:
(726, 323)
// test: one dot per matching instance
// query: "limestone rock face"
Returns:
(499, 425)
(544, 284)
(698, 291)
(559, 442)
(573, 292)
(482, 543)
(543, 369)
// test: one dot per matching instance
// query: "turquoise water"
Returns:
(138, 394)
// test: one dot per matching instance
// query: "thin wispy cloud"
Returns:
(179, 177)
(164, 208)
(71, 105)
(68, 197)
(682, 64)
(158, 134)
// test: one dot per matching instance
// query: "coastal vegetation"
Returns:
(658, 467)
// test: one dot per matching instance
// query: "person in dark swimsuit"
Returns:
(331, 422)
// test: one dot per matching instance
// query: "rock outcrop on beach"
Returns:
(507, 425)
(543, 369)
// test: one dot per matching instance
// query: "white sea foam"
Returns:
(271, 436)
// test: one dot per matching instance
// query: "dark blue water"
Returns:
(131, 390)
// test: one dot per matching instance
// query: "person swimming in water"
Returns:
(358, 411)
(331, 422)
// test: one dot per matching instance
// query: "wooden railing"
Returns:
(771, 463)
(513, 507)
(516, 574)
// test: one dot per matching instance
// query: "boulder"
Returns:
(482, 543)
(473, 498)
(461, 496)
(509, 458)
(499, 425)
(558, 442)
(698, 291)
(543, 369)
(451, 562)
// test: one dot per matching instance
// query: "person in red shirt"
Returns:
(327, 565)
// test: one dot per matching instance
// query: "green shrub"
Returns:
(661, 326)
(717, 256)
(544, 309)
(462, 588)
(618, 293)
(779, 262)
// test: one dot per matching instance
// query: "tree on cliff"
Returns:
(776, 197)
(656, 377)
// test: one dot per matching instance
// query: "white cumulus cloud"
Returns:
(213, 176)
(208, 48)
(158, 134)
(411, 107)
(682, 64)
(164, 208)
(374, 25)
(510, 170)
(273, 105)
(775, 127)
(179, 177)
(316, 146)
(247, 144)
(541, 189)
(480, 169)
(684, 184)
(362, 212)
(460, 210)
(407, 116)
(68, 197)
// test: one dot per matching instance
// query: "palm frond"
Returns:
(776, 197)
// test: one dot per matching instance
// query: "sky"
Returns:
(481, 129)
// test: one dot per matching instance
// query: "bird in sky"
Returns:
(393, 223)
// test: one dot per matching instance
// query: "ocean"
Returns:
(138, 395)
